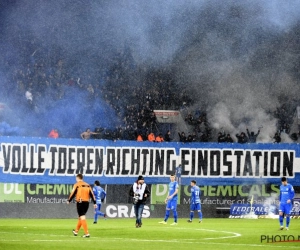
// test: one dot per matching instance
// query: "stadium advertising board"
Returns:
(159, 192)
(257, 209)
(240, 210)
(124, 211)
(47, 193)
(57, 161)
(221, 196)
(226, 195)
(12, 192)
(34, 193)
(217, 201)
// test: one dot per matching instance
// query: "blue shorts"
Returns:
(195, 207)
(171, 204)
(286, 208)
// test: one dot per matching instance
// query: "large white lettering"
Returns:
(35, 159)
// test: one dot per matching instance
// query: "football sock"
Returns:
(175, 215)
(78, 225)
(167, 215)
(84, 224)
(191, 215)
(200, 215)
(287, 220)
(281, 220)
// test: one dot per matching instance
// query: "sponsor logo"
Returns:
(11, 192)
(124, 211)
(47, 193)
(226, 195)
(159, 193)
(242, 209)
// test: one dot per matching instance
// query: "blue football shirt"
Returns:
(286, 193)
(195, 195)
(172, 188)
(99, 193)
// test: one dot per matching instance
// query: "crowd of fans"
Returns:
(201, 129)
(132, 92)
(43, 77)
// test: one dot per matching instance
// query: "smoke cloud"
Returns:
(236, 59)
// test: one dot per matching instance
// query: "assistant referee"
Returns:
(83, 192)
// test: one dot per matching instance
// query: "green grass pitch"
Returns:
(214, 234)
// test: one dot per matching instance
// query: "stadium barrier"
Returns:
(57, 161)
(35, 171)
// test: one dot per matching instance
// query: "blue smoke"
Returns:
(8, 130)
(200, 39)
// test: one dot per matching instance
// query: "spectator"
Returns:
(191, 138)
(53, 134)
(277, 138)
(285, 128)
(182, 137)
(151, 137)
(221, 137)
(168, 136)
(229, 139)
(98, 132)
(29, 96)
(90, 89)
(159, 138)
(252, 137)
(87, 134)
(294, 136)
(242, 138)
(139, 138)
(204, 137)
(190, 119)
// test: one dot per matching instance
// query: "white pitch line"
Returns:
(52, 240)
(215, 231)
(180, 228)
(224, 237)
(4, 240)
(186, 241)
(33, 234)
